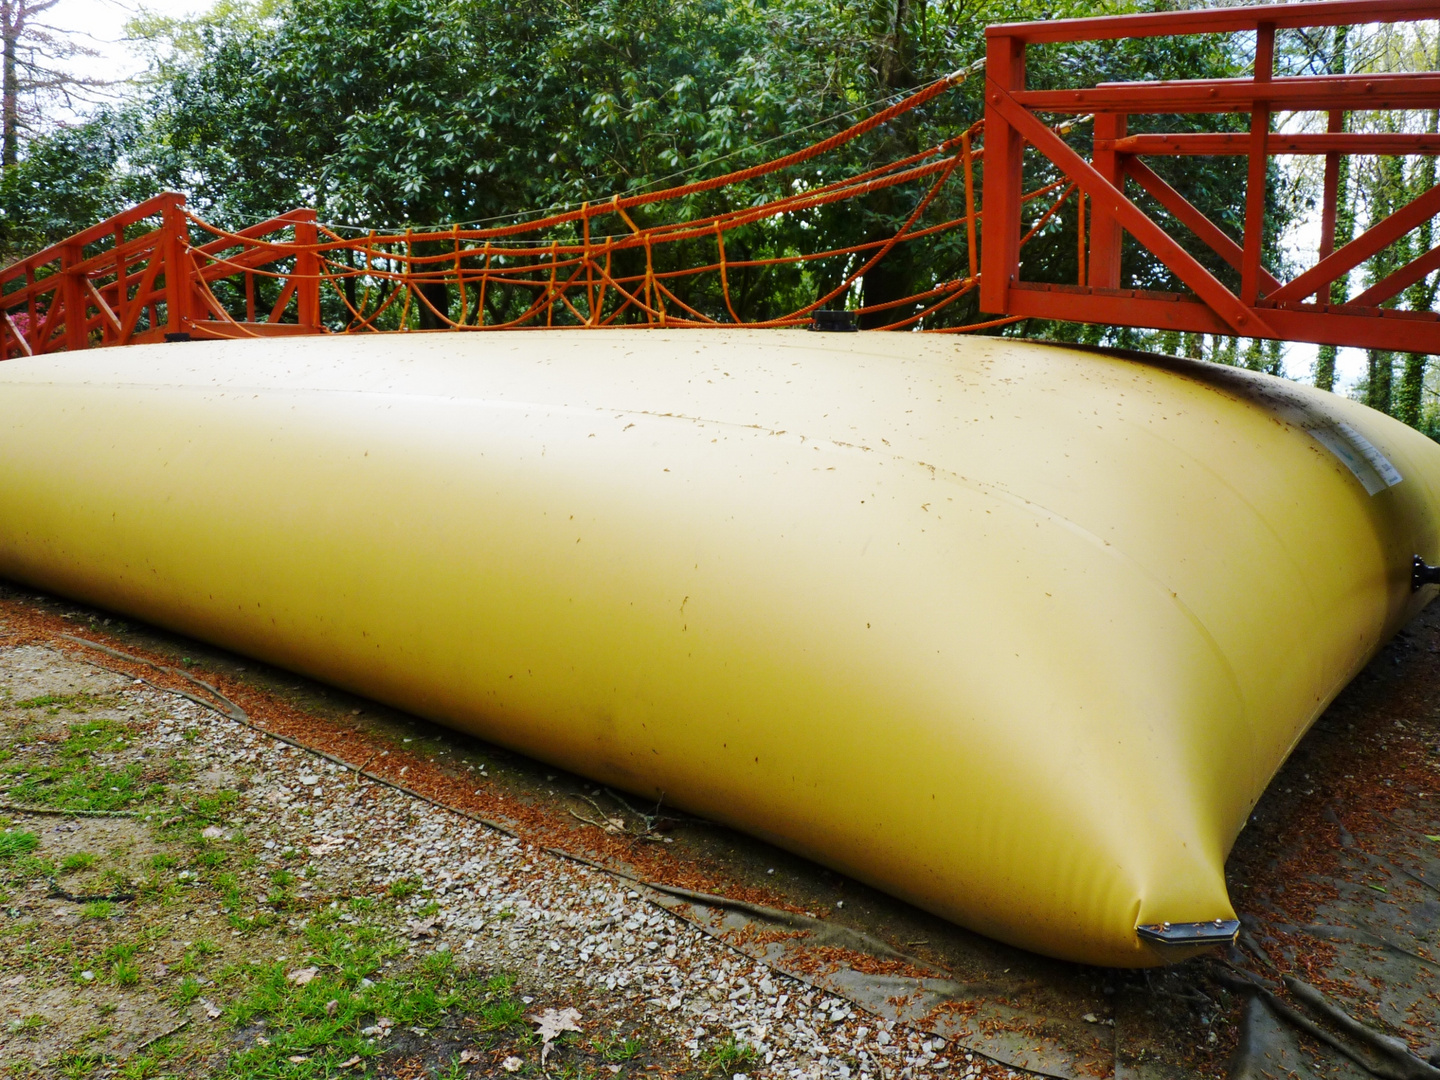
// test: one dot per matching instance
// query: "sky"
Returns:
(99, 24)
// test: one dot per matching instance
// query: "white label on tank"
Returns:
(1378, 461)
(1358, 454)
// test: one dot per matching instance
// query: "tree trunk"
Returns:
(1379, 377)
(12, 22)
(1412, 387)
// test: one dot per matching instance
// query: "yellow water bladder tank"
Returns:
(1016, 632)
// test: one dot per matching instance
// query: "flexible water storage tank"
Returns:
(1016, 632)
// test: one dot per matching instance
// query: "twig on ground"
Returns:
(163, 1035)
(52, 811)
(57, 893)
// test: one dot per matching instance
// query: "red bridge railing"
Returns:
(1263, 307)
(137, 278)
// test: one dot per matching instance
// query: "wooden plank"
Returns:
(1216, 20)
(1323, 92)
(1237, 143)
(1400, 280)
(1310, 323)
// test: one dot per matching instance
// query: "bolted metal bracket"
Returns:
(1422, 574)
(841, 321)
(1214, 932)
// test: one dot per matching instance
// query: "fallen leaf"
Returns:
(211, 1009)
(553, 1023)
(297, 1060)
(302, 976)
(354, 1061)
(213, 833)
(423, 929)
(331, 1007)
(467, 1056)
(512, 1064)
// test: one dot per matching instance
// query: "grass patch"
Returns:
(404, 888)
(79, 1064)
(72, 778)
(730, 1056)
(124, 971)
(79, 860)
(334, 1016)
(615, 1049)
(14, 842)
(53, 704)
(187, 991)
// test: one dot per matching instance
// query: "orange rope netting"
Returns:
(560, 270)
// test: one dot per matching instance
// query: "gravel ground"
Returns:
(510, 906)
(569, 936)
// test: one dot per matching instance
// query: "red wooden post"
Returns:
(306, 274)
(1106, 236)
(71, 295)
(122, 289)
(173, 248)
(1004, 155)
(1259, 165)
(32, 308)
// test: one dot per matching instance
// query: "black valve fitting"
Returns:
(835, 321)
(1422, 574)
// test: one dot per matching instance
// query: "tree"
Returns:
(33, 73)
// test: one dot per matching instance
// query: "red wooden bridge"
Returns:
(158, 272)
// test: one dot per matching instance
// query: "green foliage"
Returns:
(729, 1056)
(13, 843)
